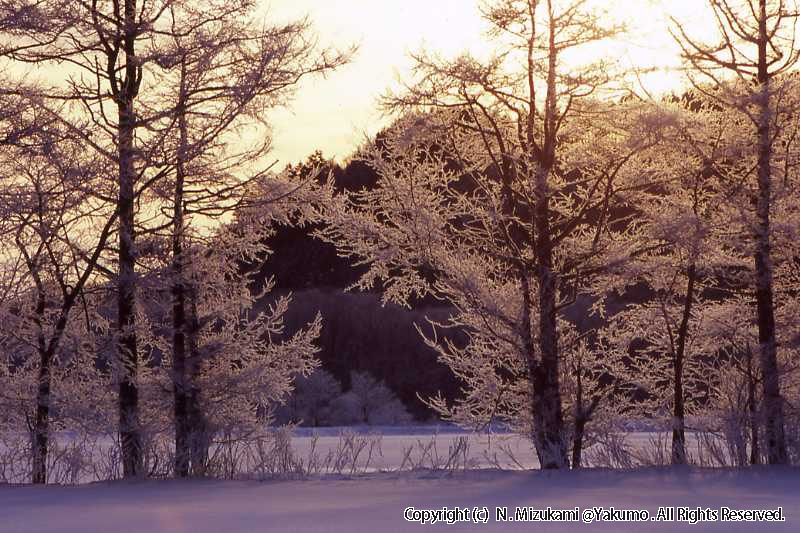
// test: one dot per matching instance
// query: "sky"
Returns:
(338, 113)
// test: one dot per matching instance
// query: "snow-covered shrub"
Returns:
(313, 402)
(77, 396)
(611, 450)
(318, 401)
(370, 401)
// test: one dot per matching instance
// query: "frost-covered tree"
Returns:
(370, 401)
(224, 79)
(109, 50)
(318, 400)
(120, 61)
(511, 250)
(678, 224)
(53, 234)
(735, 397)
(237, 366)
(465, 211)
(313, 400)
(597, 388)
(750, 66)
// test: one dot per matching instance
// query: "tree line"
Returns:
(597, 255)
(578, 197)
(128, 135)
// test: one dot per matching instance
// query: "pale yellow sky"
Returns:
(336, 113)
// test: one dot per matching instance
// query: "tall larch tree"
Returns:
(749, 68)
(512, 250)
(113, 60)
(223, 80)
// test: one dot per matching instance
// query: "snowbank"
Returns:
(376, 503)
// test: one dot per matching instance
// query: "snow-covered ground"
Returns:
(433, 444)
(349, 451)
(376, 503)
(424, 446)
(391, 473)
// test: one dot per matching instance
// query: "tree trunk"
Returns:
(199, 432)
(577, 441)
(678, 419)
(580, 419)
(179, 377)
(547, 415)
(773, 403)
(46, 349)
(679, 411)
(755, 451)
(126, 321)
(129, 430)
(181, 408)
(547, 412)
(41, 429)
